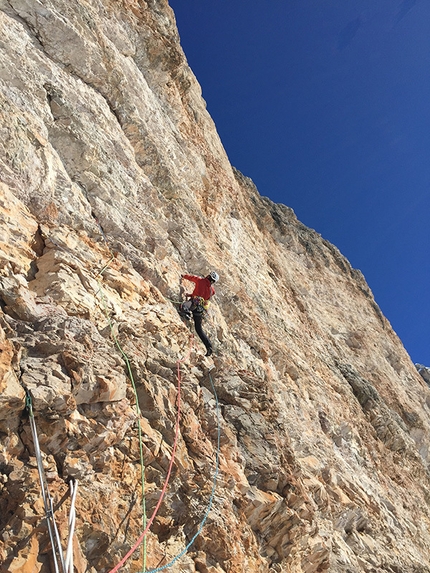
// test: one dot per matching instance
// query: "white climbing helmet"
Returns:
(213, 276)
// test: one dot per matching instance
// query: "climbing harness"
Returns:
(199, 304)
(195, 304)
(54, 536)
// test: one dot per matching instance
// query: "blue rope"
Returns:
(211, 499)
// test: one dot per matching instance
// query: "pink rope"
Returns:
(163, 491)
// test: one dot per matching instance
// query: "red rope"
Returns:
(163, 491)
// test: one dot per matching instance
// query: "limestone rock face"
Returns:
(114, 183)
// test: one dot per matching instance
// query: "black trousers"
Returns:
(198, 317)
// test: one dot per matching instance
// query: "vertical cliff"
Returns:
(113, 183)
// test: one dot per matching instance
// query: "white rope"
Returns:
(47, 499)
(48, 502)
(72, 522)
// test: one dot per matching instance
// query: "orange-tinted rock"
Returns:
(114, 183)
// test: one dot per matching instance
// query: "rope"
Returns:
(72, 521)
(57, 552)
(69, 556)
(105, 267)
(138, 412)
(211, 498)
(174, 301)
(67, 564)
(163, 491)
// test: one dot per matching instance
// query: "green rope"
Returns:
(174, 301)
(105, 267)
(28, 403)
(138, 412)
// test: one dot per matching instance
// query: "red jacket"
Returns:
(203, 288)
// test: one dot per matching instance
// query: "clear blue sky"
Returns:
(325, 104)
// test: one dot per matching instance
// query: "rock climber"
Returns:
(198, 303)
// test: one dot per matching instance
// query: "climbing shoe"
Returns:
(209, 351)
